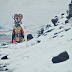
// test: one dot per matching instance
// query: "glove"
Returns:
(12, 41)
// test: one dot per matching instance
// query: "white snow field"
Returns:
(30, 56)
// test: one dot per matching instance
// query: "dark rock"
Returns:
(54, 21)
(67, 29)
(61, 27)
(29, 37)
(38, 41)
(6, 69)
(55, 36)
(62, 14)
(3, 44)
(4, 66)
(4, 58)
(42, 30)
(61, 57)
(49, 30)
(39, 35)
(55, 33)
(47, 26)
(68, 17)
(66, 21)
(58, 32)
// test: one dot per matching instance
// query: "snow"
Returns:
(31, 56)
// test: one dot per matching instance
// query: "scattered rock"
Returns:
(29, 37)
(38, 41)
(61, 57)
(55, 36)
(47, 26)
(40, 32)
(66, 21)
(6, 69)
(58, 32)
(3, 44)
(4, 58)
(4, 66)
(39, 35)
(62, 14)
(67, 29)
(54, 21)
(55, 33)
(49, 30)
(61, 27)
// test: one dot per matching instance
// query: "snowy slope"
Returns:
(30, 56)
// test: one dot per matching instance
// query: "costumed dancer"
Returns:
(18, 33)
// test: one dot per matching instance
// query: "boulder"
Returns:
(4, 58)
(42, 30)
(61, 57)
(29, 37)
(38, 41)
(47, 26)
(66, 21)
(67, 29)
(54, 21)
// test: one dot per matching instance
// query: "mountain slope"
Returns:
(32, 56)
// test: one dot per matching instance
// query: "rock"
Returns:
(39, 35)
(49, 30)
(66, 21)
(67, 29)
(42, 30)
(6, 69)
(58, 32)
(62, 14)
(4, 58)
(3, 44)
(47, 26)
(55, 33)
(38, 41)
(61, 27)
(4, 66)
(54, 21)
(29, 37)
(61, 57)
(55, 36)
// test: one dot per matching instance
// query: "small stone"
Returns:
(4, 58)
(38, 41)
(6, 69)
